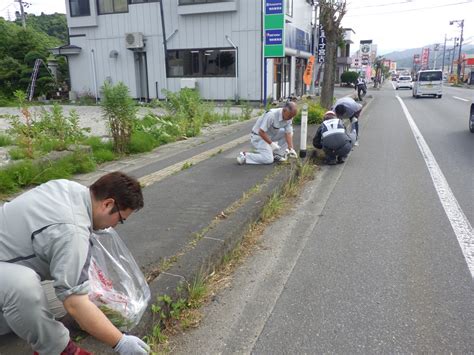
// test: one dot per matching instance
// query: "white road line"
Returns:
(460, 98)
(460, 224)
(393, 85)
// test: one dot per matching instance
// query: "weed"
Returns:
(272, 207)
(120, 111)
(216, 153)
(186, 165)
(141, 142)
(246, 112)
(196, 291)
(5, 140)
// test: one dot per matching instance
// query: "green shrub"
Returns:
(6, 102)
(315, 113)
(349, 77)
(141, 142)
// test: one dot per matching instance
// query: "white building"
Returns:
(214, 45)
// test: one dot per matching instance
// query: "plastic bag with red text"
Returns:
(117, 286)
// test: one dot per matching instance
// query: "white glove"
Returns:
(275, 146)
(354, 119)
(292, 153)
(131, 345)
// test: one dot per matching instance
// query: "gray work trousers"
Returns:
(24, 310)
(264, 153)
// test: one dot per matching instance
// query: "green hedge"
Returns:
(315, 113)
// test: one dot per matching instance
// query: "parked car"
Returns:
(471, 118)
(428, 82)
(404, 81)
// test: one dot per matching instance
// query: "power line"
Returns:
(382, 5)
(6, 7)
(409, 10)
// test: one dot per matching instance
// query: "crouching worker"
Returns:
(332, 137)
(272, 137)
(45, 235)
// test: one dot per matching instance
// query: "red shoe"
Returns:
(71, 349)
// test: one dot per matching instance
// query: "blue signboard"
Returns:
(274, 7)
(273, 37)
(321, 45)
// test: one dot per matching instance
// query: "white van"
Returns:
(428, 82)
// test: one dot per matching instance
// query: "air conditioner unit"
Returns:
(189, 83)
(134, 40)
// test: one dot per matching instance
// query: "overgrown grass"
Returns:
(32, 137)
(27, 172)
(175, 313)
(5, 140)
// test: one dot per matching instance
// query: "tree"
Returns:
(380, 70)
(331, 16)
(19, 48)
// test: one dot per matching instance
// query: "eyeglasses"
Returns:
(121, 219)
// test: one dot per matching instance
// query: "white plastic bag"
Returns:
(117, 286)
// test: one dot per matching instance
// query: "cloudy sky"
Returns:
(391, 24)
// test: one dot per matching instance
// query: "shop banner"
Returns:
(308, 73)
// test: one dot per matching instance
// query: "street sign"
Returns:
(321, 45)
(274, 29)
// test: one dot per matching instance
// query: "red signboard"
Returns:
(425, 58)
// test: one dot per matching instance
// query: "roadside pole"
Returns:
(304, 129)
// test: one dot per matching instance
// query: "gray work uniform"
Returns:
(351, 106)
(273, 124)
(332, 137)
(44, 235)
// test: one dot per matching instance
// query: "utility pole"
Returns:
(444, 52)
(460, 24)
(435, 50)
(454, 51)
(22, 13)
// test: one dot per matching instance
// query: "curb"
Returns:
(207, 254)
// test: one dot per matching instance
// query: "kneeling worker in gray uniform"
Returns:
(45, 235)
(272, 137)
(332, 137)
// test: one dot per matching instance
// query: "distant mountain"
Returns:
(404, 58)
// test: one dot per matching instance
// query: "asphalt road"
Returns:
(368, 260)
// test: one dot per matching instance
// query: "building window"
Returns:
(289, 8)
(201, 62)
(192, 2)
(131, 2)
(79, 8)
(112, 6)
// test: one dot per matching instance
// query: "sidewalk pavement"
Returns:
(199, 203)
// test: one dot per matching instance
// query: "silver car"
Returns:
(404, 81)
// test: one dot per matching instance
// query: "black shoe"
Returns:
(341, 160)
